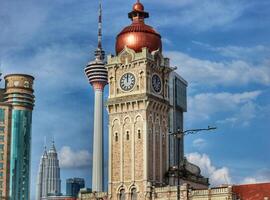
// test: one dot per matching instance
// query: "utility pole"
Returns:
(179, 135)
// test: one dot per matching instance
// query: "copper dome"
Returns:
(138, 34)
(138, 6)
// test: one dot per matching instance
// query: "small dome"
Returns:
(138, 7)
(138, 35)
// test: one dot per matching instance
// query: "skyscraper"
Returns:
(49, 182)
(73, 186)
(5, 136)
(97, 76)
(41, 181)
(178, 103)
(19, 95)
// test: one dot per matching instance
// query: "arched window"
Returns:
(116, 137)
(139, 134)
(134, 194)
(127, 135)
(122, 194)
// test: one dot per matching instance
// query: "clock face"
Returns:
(156, 83)
(127, 81)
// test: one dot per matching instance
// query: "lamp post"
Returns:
(179, 135)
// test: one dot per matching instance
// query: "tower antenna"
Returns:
(45, 142)
(99, 53)
(100, 26)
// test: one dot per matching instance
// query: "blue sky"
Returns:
(221, 47)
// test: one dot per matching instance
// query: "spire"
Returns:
(45, 143)
(99, 53)
(52, 149)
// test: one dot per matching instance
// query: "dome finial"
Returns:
(138, 12)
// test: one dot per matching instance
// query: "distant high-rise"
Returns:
(178, 102)
(49, 182)
(17, 102)
(41, 182)
(73, 186)
(5, 136)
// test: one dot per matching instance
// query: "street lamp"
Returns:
(179, 135)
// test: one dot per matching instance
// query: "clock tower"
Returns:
(138, 107)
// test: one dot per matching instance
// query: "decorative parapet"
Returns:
(92, 195)
(129, 55)
(217, 193)
(170, 193)
(187, 193)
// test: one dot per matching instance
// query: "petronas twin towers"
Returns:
(49, 182)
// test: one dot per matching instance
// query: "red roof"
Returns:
(252, 191)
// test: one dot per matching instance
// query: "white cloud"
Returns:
(74, 159)
(231, 108)
(204, 14)
(227, 73)
(253, 54)
(261, 176)
(199, 143)
(217, 176)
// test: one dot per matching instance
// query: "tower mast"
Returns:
(98, 77)
(99, 53)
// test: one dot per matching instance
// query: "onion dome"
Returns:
(138, 35)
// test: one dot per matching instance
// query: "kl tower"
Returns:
(98, 77)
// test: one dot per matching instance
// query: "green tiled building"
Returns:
(16, 105)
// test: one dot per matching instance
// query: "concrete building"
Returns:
(49, 181)
(16, 105)
(73, 186)
(97, 76)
